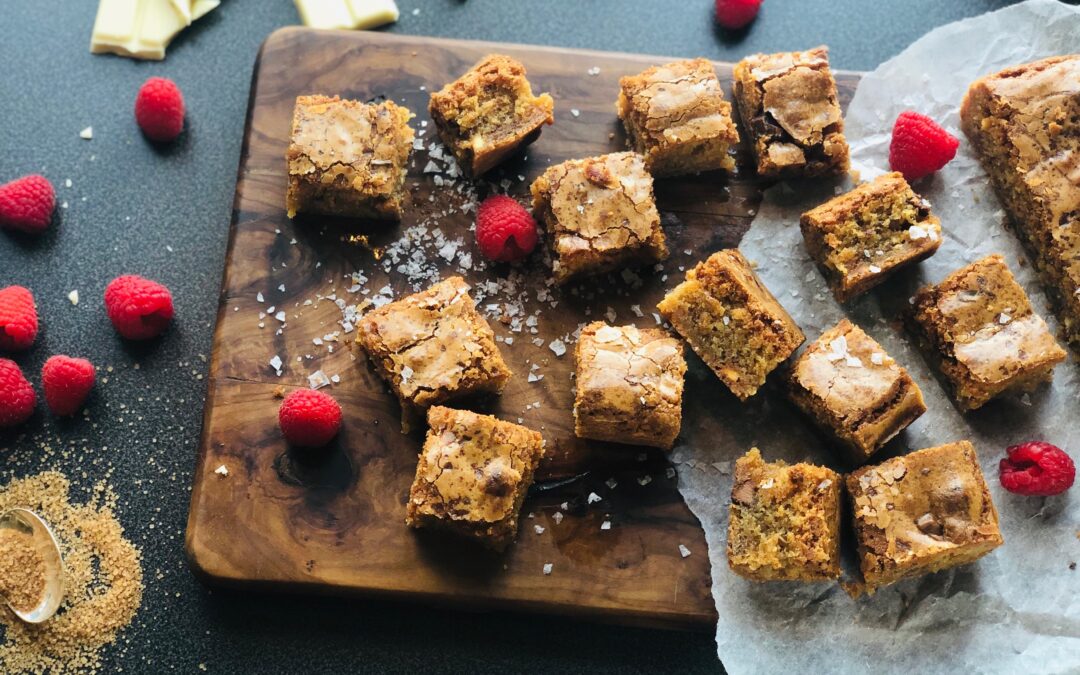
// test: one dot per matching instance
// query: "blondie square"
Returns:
(600, 215)
(789, 110)
(784, 522)
(348, 158)
(433, 346)
(732, 321)
(920, 513)
(847, 384)
(629, 385)
(980, 329)
(488, 113)
(472, 476)
(860, 238)
(676, 117)
(1024, 124)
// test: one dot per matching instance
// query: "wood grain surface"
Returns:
(333, 523)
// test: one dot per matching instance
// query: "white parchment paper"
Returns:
(1016, 610)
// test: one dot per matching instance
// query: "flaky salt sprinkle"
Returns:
(606, 525)
(557, 517)
(276, 364)
(683, 551)
(318, 380)
(539, 529)
(593, 498)
(74, 297)
(222, 471)
(874, 269)
(558, 347)
(87, 133)
(547, 568)
(877, 358)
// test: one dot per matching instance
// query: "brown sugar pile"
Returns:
(22, 571)
(103, 581)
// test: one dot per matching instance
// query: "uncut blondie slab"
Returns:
(629, 385)
(847, 384)
(489, 113)
(676, 117)
(433, 346)
(599, 214)
(348, 158)
(980, 329)
(1024, 123)
(732, 321)
(789, 110)
(861, 237)
(920, 513)
(784, 521)
(472, 476)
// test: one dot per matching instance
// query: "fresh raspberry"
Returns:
(18, 318)
(309, 418)
(1036, 468)
(504, 229)
(67, 383)
(138, 308)
(735, 14)
(159, 109)
(919, 146)
(17, 397)
(27, 204)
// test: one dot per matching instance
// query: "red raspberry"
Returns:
(1036, 468)
(309, 418)
(17, 397)
(919, 146)
(504, 229)
(138, 308)
(735, 14)
(18, 318)
(67, 383)
(159, 109)
(27, 204)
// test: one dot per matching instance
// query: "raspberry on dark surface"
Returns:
(159, 109)
(18, 319)
(27, 204)
(17, 397)
(309, 418)
(919, 146)
(505, 231)
(1037, 469)
(139, 309)
(736, 14)
(67, 383)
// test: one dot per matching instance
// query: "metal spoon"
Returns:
(46, 545)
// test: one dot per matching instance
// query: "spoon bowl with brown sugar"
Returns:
(31, 566)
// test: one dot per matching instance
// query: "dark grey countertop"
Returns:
(165, 214)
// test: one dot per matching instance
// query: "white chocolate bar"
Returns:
(347, 14)
(142, 29)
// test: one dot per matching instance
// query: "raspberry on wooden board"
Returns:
(309, 418)
(505, 231)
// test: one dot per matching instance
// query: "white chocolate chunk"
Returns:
(142, 29)
(347, 14)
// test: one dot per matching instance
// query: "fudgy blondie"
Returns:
(472, 476)
(847, 384)
(489, 113)
(789, 109)
(859, 238)
(348, 158)
(599, 214)
(676, 117)
(629, 385)
(920, 513)
(980, 329)
(732, 321)
(1024, 123)
(784, 521)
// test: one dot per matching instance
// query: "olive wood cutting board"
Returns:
(334, 523)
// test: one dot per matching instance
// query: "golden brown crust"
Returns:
(848, 384)
(472, 475)
(1024, 123)
(348, 158)
(629, 385)
(922, 512)
(489, 113)
(676, 117)
(784, 521)
(979, 327)
(599, 214)
(433, 346)
(863, 236)
(789, 108)
(732, 321)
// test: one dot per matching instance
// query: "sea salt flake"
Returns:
(575, 112)
(611, 483)
(276, 363)
(916, 232)
(558, 347)
(593, 498)
(318, 380)
(222, 470)
(539, 529)
(644, 480)
(547, 568)
(877, 358)
(683, 551)
(74, 297)
(557, 517)
(874, 269)
(606, 525)
(406, 373)
(87, 133)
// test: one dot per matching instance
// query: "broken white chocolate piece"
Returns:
(347, 14)
(142, 29)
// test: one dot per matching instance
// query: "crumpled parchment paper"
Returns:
(1016, 610)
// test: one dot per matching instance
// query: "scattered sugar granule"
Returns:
(547, 568)
(222, 470)
(87, 133)
(683, 551)
(74, 297)
(593, 498)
